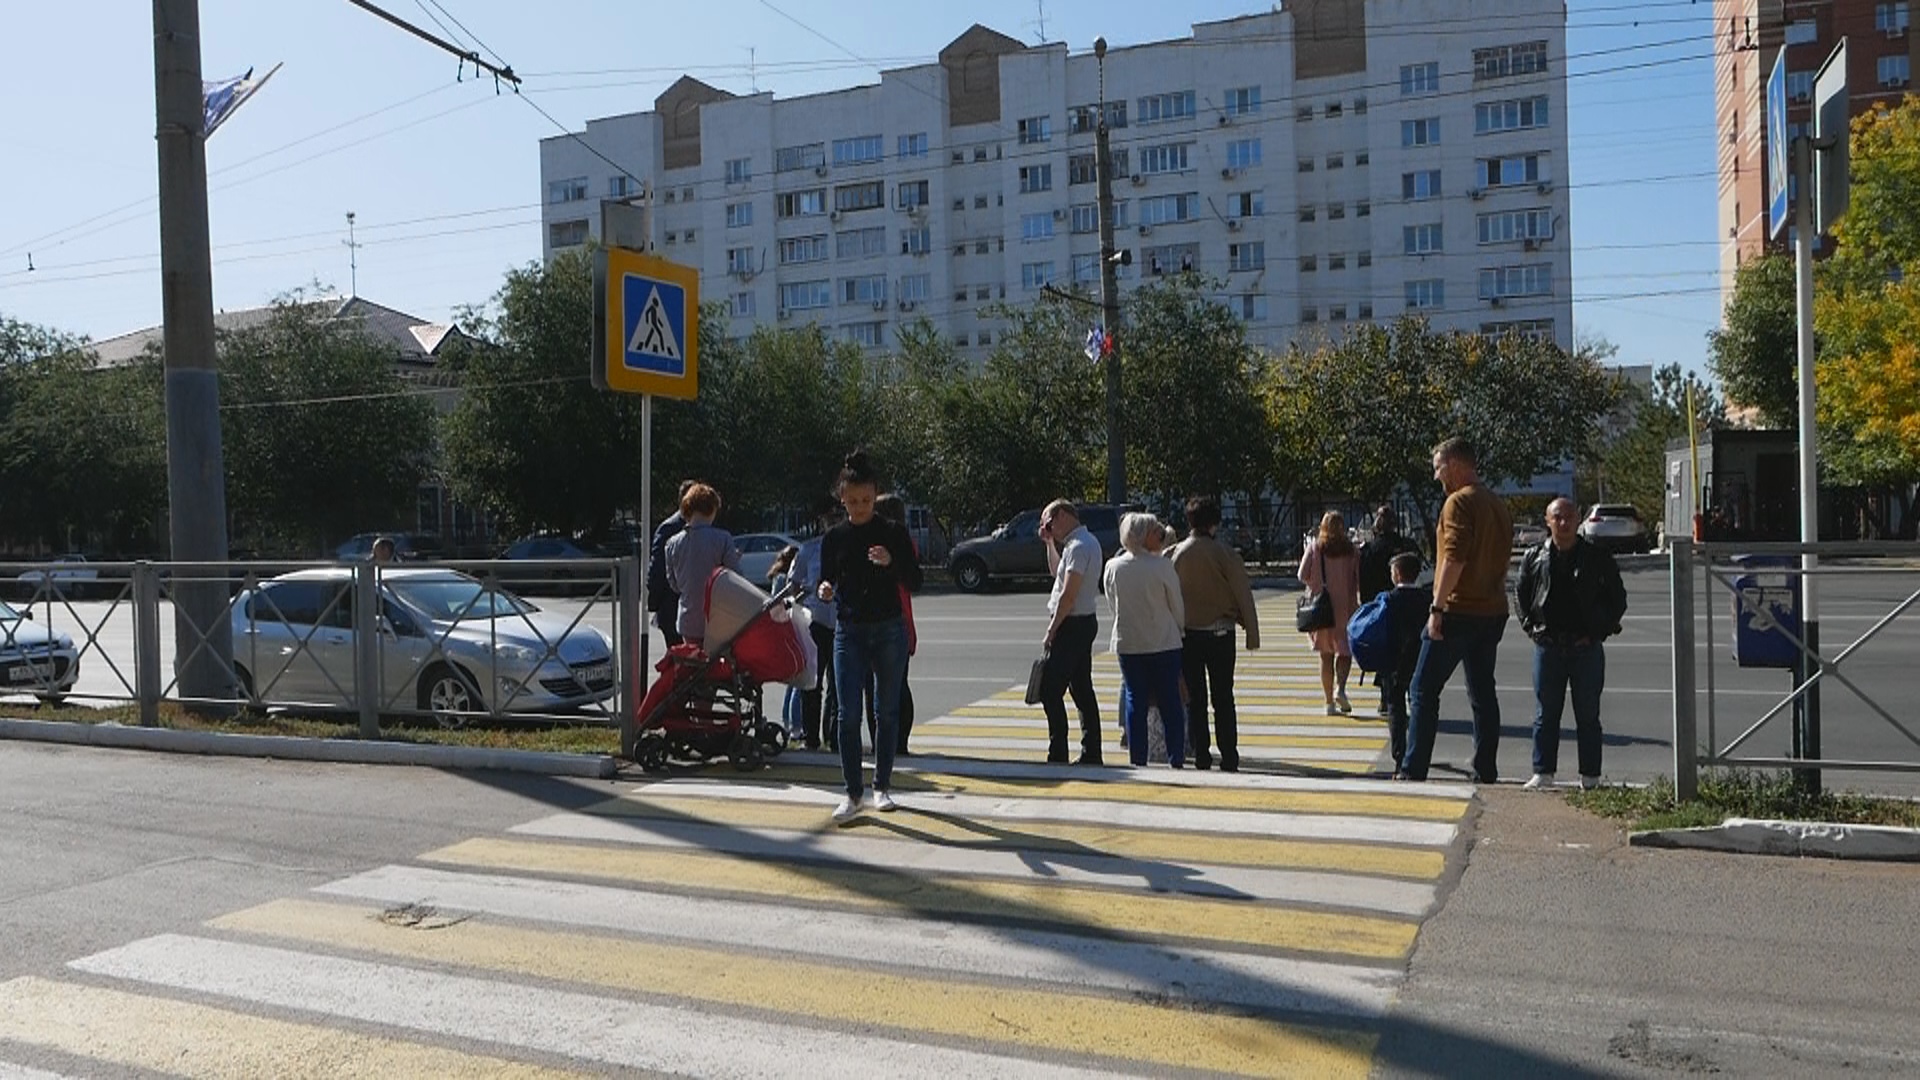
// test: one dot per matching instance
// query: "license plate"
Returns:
(29, 672)
(593, 673)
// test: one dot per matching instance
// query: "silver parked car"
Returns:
(35, 659)
(1616, 527)
(449, 645)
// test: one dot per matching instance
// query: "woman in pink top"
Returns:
(1332, 549)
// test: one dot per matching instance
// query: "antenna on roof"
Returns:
(1041, 21)
(753, 71)
(353, 260)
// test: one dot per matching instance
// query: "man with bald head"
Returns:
(1571, 599)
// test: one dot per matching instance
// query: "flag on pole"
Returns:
(1096, 343)
(223, 96)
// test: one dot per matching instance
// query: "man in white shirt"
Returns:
(1074, 557)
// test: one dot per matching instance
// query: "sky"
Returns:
(442, 172)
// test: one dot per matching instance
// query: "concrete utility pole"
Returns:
(1109, 290)
(196, 475)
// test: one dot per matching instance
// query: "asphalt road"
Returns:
(973, 646)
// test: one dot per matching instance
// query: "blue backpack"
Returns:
(1370, 632)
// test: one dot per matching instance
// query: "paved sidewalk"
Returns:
(1561, 951)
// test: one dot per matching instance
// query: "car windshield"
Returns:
(445, 599)
(7, 612)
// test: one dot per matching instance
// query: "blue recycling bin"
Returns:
(1766, 610)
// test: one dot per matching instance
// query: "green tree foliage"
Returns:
(1753, 354)
(531, 440)
(322, 437)
(1630, 462)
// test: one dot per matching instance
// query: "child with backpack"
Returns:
(1386, 640)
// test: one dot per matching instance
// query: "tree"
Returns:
(1754, 354)
(1631, 461)
(1868, 407)
(322, 437)
(1879, 238)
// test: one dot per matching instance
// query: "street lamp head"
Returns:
(1099, 48)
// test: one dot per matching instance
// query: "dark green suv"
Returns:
(1015, 552)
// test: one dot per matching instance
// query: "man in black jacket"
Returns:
(1376, 577)
(1571, 599)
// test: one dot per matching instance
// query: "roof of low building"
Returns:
(414, 340)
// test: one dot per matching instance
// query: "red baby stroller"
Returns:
(706, 702)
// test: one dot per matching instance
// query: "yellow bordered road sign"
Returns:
(648, 332)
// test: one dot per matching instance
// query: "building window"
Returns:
(1082, 169)
(1519, 114)
(739, 170)
(1363, 208)
(1033, 275)
(1336, 211)
(1420, 185)
(1304, 165)
(911, 193)
(1309, 263)
(1170, 258)
(1366, 309)
(1084, 218)
(1337, 261)
(1503, 281)
(1166, 209)
(860, 243)
(1251, 307)
(1036, 129)
(1334, 109)
(791, 158)
(1359, 106)
(1246, 204)
(1160, 108)
(1248, 256)
(916, 241)
(803, 249)
(1085, 119)
(740, 260)
(1799, 85)
(1516, 225)
(1336, 161)
(1421, 239)
(1303, 114)
(1337, 313)
(1364, 259)
(980, 154)
(1165, 158)
(870, 195)
(1307, 214)
(1532, 329)
(1892, 70)
(567, 233)
(1806, 32)
(858, 151)
(1309, 314)
(806, 295)
(1034, 178)
(1243, 153)
(915, 288)
(810, 203)
(1891, 17)
(870, 335)
(739, 214)
(572, 189)
(1519, 169)
(1420, 132)
(982, 247)
(1426, 294)
(868, 289)
(1526, 58)
(1420, 79)
(1036, 226)
(913, 146)
(619, 187)
(1242, 100)
(742, 305)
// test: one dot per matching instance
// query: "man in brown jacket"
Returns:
(1218, 597)
(1469, 613)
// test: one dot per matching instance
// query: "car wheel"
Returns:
(970, 574)
(449, 694)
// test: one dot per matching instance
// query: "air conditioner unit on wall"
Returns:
(1495, 301)
(1233, 224)
(785, 314)
(1530, 244)
(1139, 179)
(1544, 187)
(879, 305)
(819, 170)
(1476, 194)
(1059, 215)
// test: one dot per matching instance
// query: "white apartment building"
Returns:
(1330, 161)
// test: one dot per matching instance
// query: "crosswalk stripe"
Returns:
(1262, 756)
(607, 1030)
(842, 851)
(1042, 837)
(1301, 750)
(1049, 776)
(1027, 720)
(140, 1031)
(1334, 738)
(1013, 704)
(1094, 911)
(1354, 828)
(1003, 1016)
(1213, 977)
(10, 1071)
(1386, 804)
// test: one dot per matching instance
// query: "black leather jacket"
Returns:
(1600, 596)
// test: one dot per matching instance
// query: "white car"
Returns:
(757, 552)
(449, 646)
(66, 576)
(35, 659)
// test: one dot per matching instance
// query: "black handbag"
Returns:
(1316, 609)
(1035, 676)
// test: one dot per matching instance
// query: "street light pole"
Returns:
(1109, 291)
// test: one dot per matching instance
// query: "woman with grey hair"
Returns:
(1148, 617)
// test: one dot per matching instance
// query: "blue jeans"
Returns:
(863, 651)
(1556, 670)
(1472, 641)
(1154, 679)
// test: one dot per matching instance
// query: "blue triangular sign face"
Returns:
(653, 332)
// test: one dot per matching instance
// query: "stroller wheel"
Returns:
(744, 752)
(773, 737)
(651, 753)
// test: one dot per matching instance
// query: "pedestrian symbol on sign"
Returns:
(655, 324)
(652, 337)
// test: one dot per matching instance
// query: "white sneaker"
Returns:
(848, 809)
(1588, 783)
(1346, 706)
(883, 802)
(1540, 782)
(1332, 709)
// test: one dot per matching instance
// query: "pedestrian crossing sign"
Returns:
(652, 329)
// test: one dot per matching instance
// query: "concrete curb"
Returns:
(1820, 839)
(290, 748)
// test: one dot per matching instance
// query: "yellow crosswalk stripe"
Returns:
(181, 1038)
(1010, 708)
(1381, 860)
(1034, 1019)
(1260, 756)
(1386, 804)
(1081, 910)
(1359, 740)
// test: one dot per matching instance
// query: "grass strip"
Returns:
(1741, 793)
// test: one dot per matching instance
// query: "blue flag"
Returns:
(222, 97)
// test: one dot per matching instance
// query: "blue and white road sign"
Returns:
(1779, 158)
(652, 329)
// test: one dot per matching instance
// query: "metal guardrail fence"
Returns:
(1766, 621)
(449, 642)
